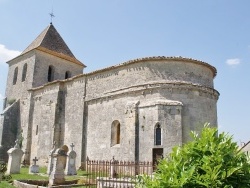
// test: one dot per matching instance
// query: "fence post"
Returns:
(88, 170)
(113, 173)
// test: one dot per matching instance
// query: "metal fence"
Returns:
(115, 173)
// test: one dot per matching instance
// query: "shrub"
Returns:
(211, 160)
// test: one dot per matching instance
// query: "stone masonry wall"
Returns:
(44, 60)
(19, 90)
(176, 94)
(9, 128)
(74, 117)
(37, 72)
(168, 116)
(101, 115)
(25, 124)
(143, 73)
(44, 128)
(58, 116)
(108, 93)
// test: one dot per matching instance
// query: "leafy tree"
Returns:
(211, 160)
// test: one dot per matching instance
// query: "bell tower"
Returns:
(46, 59)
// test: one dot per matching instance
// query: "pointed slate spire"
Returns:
(51, 41)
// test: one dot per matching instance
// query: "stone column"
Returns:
(57, 175)
(14, 162)
(71, 162)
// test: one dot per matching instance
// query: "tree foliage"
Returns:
(211, 160)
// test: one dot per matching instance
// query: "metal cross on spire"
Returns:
(51, 16)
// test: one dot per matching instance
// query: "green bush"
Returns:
(211, 160)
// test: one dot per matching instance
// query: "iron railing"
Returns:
(115, 173)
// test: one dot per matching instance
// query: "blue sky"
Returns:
(103, 33)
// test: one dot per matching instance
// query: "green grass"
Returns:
(24, 175)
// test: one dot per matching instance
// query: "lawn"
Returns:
(24, 175)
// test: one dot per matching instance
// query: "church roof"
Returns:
(159, 58)
(51, 42)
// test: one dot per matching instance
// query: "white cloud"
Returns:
(233, 62)
(6, 54)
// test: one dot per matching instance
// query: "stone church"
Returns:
(137, 110)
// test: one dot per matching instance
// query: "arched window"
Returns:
(115, 133)
(15, 76)
(158, 134)
(24, 72)
(67, 74)
(51, 73)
